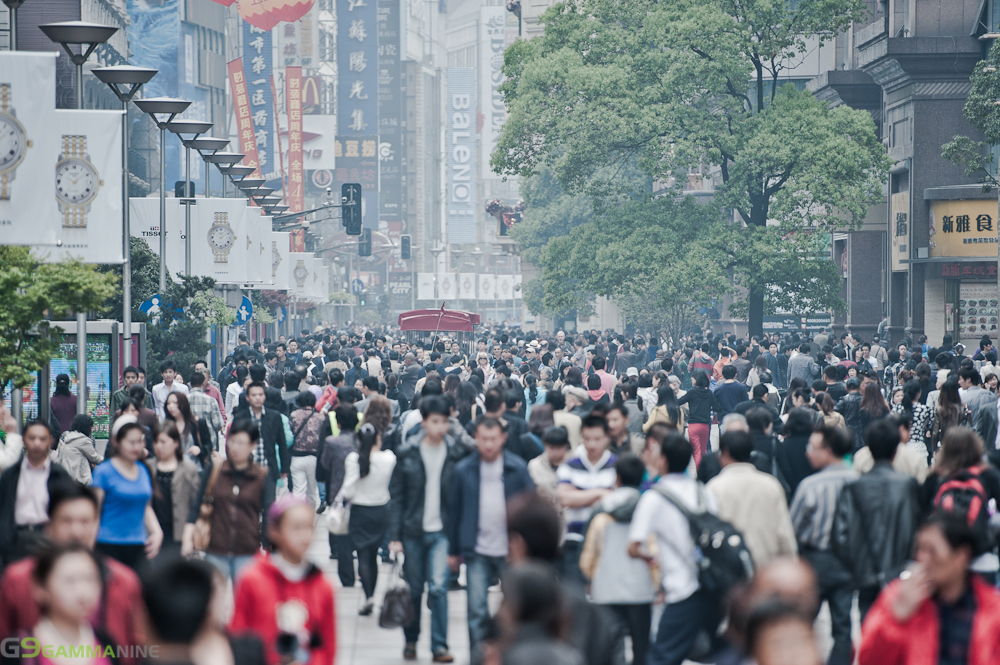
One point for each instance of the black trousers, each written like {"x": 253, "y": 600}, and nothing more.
{"x": 342, "y": 549}
{"x": 636, "y": 620}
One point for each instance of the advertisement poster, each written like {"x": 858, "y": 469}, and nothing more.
{"x": 98, "y": 381}
{"x": 244, "y": 119}
{"x": 257, "y": 70}
{"x": 963, "y": 228}
{"x": 977, "y": 310}
{"x": 279, "y": 259}
{"x": 87, "y": 187}
{"x": 221, "y": 239}
{"x": 899, "y": 229}
{"x": 460, "y": 144}
{"x": 29, "y": 147}
{"x": 492, "y": 38}
{"x": 296, "y": 171}
{"x": 144, "y": 222}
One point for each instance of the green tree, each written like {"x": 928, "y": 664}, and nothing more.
{"x": 30, "y": 292}
{"x": 145, "y": 269}
{"x": 981, "y": 111}
{"x": 693, "y": 86}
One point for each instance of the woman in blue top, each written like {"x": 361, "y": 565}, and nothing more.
{"x": 533, "y": 395}
{"x": 129, "y": 529}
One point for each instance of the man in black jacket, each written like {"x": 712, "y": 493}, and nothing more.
{"x": 24, "y": 492}
{"x": 271, "y": 450}
{"x": 849, "y": 406}
{"x": 877, "y": 517}
{"x": 419, "y": 519}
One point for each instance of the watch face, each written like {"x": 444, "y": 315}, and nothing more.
{"x": 221, "y": 238}
{"x": 301, "y": 273}
{"x": 275, "y": 260}
{"x": 76, "y": 182}
{"x": 12, "y": 142}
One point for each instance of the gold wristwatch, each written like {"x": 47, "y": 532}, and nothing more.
{"x": 300, "y": 273}
{"x": 13, "y": 141}
{"x": 77, "y": 182}
{"x": 221, "y": 237}
{"x": 275, "y": 258}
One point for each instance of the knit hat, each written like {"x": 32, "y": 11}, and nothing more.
{"x": 282, "y": 505}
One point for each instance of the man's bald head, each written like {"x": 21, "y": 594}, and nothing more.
{"x": 789, "y": 580}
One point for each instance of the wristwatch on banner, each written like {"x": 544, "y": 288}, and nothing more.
{"x": 300, "y": 273}
{"x": 13, "y": 141}
{"x": 77, "y": 182}
{"x": 275, "y": 258}
{"x": 221, "y": 237}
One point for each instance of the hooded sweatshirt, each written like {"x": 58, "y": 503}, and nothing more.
{"x": 299, "y": 611}
{"x": 615, "y": 577}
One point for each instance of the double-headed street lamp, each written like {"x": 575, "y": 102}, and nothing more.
{"x": 208, "y": 145}
{"x": 194, "y": 129}
{"x": 162, "y": 111}
{"x": 83, "y": 34}
{"x": 125, "y": 81}
{"x": 236, "y": 173}
{"x": 224, "y": 159}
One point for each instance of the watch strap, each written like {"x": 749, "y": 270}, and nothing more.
{"x": 75, "y": 147}
{"x": 5, "y": 99}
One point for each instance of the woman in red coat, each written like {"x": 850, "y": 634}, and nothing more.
{"x": 937, "y": 612}
{"x": 283, "y": 598}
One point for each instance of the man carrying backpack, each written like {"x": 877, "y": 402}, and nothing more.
{"x": 692, "y": 613}
{"x": 813, "y": 510}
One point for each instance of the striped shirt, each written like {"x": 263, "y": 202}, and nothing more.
{"x": 581, "y": 474}
{"x": 207, "y": 409}
{"x": 815, "y": 504}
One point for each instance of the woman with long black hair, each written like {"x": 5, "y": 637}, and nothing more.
{"x": 367, "y": 473}
{"x": 196, "y": 441}
{"x": 533, "y": 395}
{"x": 920, "y": 417}
{"x": 63, "y": 403}
{"x": 666, "y": 410}
{"x": 702, "y": 402}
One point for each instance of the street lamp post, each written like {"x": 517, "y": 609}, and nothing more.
{"x": 223, "y": 159}
{"x": 236, "y": 172}
{"x": 155, "y": 108}
{"x": 12, "y": 5}
{"x": 436, "y": 251}
{"x": 210, "y": 145}
{"x": 83, "y": 34}
{"x": 195, "y": 128}
{"x": 125, "y": 82}
{"x": 92, "y": 35}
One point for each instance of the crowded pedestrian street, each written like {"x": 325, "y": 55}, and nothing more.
{"x": 493, "y": 332}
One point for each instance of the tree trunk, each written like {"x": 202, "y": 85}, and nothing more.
{"x": 755, "y": 313}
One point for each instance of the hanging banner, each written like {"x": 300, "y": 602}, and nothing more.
{"x": 505, "y": 287}
{"x": 357, "y": 57}
{"x": 316, "y": 281}
{"x": 296, "y": 171}
{"x": 492, "y": 37}
{"x": 220, "y": 239}
{"x": 300, "y": 274}
{"x": 425, "y": 286}
{"x": 144, "y": 223}
{"x": 392, "y": 203}
{"x": 447, "y": 283}
{"x": 357, "y": 161}
{"x": 257, "y": 272}
{"x": 257, "y": 69}
{"x": 461, "y": 149}
{"x": 88, "y": 188}
{"x": 29, "y": 148}
{"x": 279, "y": 260}
{"x": 244, "y": 120}
{"x": 467, "y": 286}
{"x": 487, "y": 287}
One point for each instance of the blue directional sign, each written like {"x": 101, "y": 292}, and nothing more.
{"x": 151, "y": 306}
{"x": 357, "y": 286}
{"x": 282, "y": 314}
{"x": 244, "y": 312}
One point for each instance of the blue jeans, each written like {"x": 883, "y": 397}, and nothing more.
{"x": 480, "y": 572}
{"x": 426, "y": 561}
{"x": 229, "y": 565}
{"x": 682, "y": 624}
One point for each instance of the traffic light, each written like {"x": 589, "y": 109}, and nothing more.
{"x": 350, "y": 200}
{"x": 365, "y": 244}
{"x": 404, "y": 248}
{"x": 179, "y": 188}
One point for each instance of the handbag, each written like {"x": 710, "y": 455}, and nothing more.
{"x": 338, "y": 515}
{"x": 397, "y": 606}
{"x": 203, "y": 525}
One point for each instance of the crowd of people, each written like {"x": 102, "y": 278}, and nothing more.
{"x": 636, "y": 500}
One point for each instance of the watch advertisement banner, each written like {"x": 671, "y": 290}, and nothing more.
{"x": 221, "y": 238}
{"x": 505, "y": 287}
{"x": 258, "y": 231}
{"x": 467, "y": 286}
{"x": 461, "y": 150}
{"x": 244, "y": 119}
{"x": 296, "y": 171}
{"x": 88, "y": 187}
{"x": 300, "y": 274}
{"x": 487, "y": 287}
{"x": 963, "y": 228}
{"x": 425, "y": 286}
{"x": 316, "y": 281}
{"x": 392, "y": 203}
{"x": 144, "y": 222}
{"x": 492, "y": 38}
{"x": 977, "y": 310}
{"x": 29, "y": 148}
{"x": 447, "y": 286}
{"x": 257, "y": 69}
{"x": 357, "y": 55}
{"x": 279, "y": 259}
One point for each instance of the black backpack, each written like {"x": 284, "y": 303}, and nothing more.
{"x": 725, "y": 560}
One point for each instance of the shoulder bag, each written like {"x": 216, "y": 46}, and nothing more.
{"x": 203, "y": 525}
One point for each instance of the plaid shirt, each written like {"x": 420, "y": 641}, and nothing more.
{"x": 207, "y": 409}
{"x": 258, "y": 453}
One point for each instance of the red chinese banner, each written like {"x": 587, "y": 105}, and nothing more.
{"x": 296, "y": 172}
{"x": 244, "y": 123}
{"x": 297, "y": 240}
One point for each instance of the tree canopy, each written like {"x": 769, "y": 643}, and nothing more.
{"x": 694, "y": 86}
{"x": 981, "y": 111}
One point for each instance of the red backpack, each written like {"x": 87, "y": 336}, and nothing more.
{"x": 963, "y": 494}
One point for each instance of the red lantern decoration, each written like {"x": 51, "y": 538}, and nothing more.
{"x": 265, "y": 14}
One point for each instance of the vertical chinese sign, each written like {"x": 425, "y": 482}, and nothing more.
{"x": 390, "y": 107}
{"x": 241, "y": 106}
{"x": 357, "y": 101}
{"x": 492, "y": 39}
{"x": 257, "y": 69}
{"x": 296, "y": 173}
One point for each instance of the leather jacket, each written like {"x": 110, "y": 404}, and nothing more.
{"x": 877, "y": 518}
